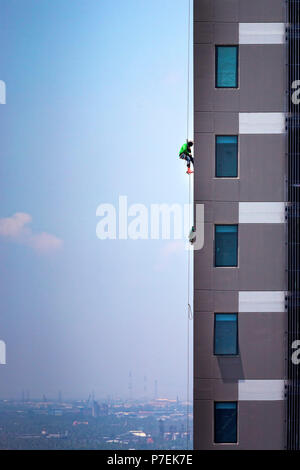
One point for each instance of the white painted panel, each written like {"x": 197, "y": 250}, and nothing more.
{"x": 262, "y": 33}
{"x": 262, "y": 123}
{"x": 270, "y": 390}
{"x": 261, "y": 212}
{"x": 262, "y": 301}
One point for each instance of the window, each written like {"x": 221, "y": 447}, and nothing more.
{"x": 226, "y": 66}
{"x": 226, "y": 334}
{"x": 225, "y": 422}
{"x": 226, "y": 156}
{"x": 226, "y": 245}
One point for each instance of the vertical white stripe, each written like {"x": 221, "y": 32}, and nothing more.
{"x": 2, "y": 92}
{"x": 2, "y": 353}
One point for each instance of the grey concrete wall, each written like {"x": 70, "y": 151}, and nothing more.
{"x": 262, "y": 93}
{"x": 259, "y": 423}
{"x": 261, "y": 349}
{"x": 234, "y": 11}
{"x": 262, "y": 253}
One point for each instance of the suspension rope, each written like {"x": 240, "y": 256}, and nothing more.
{"x": 188, "y": 73}
{"x": 189, "y": 308}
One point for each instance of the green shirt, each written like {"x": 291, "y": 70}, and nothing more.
{"x": 185, "y": 149}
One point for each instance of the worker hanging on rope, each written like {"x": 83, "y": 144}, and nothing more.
{"x": 186, "y": 154}
{"x": 192, "y": 235}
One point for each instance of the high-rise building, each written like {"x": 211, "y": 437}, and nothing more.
{"x": 247, "y": 175}
{"x": 95, "y": 409}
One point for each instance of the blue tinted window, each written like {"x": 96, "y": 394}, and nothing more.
{"x": 226, "y": 334}
{"x": 226, "y": 66}
{"x": 226, "y": 156}
{"x": 226, "y": 245}
{"x": 225, "y": 422}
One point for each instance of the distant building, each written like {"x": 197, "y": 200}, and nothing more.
{"x": 95, "y": 409}
{"x": 161, "y": 428}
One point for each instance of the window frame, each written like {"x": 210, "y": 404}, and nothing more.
{"x": 237, "y": 67}
{"x": 236, "y": 338}
{"x": 237, "y": 422}
{"x": 237, "y": 156}
{"x": 237, "y": 246}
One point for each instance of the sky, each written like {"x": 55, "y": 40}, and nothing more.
{"x": 95, "y": 109}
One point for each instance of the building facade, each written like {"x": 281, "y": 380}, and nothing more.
{"x": 245, "y": 388}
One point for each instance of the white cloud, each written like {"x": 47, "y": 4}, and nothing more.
{"x": 16, "y": 229}
{"x": 14, "y": 226}
{"x": 45, "y": 242}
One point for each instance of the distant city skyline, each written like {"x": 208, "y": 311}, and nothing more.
{"x": 140, "y": 424}
{"x": 27, "y": 395}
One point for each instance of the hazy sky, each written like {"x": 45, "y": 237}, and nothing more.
{"x": 96, "y": 108}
